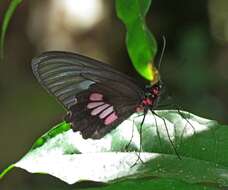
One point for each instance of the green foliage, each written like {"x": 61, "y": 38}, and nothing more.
{"x": 154, "y": 184}
{"x": 5, "y": 23}
{"x": 6, "y": 170}
{"x": 60, "y": 128}
{"x": 141, "y": 44}
{"x": 201, "y": 143}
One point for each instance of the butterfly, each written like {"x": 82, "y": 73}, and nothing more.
{"x": 97, "y": 97}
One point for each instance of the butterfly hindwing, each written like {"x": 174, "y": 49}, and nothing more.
{"x": 97, "y": 96}
{"x": 98, "y": 111}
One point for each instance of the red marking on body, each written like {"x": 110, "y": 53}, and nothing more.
{"x": 106, "y": 112}
{"x": 96, "y": 97}
{"x": 94, "y": 104}
{"x": 111, "y": 118}
{"x": 147, "y": 102}
{"x": 155, "y": 91}
{"x": 99, "y": 109}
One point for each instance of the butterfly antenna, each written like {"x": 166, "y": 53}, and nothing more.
{"x": 162, "y": 53}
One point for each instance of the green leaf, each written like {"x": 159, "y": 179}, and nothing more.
{"x": 201, "y": 143}
{"x": 154, "y": 184}
{"x": 60, "y": 128}
{"x": 7, "y": 17}
{"x": 141, "y": 44}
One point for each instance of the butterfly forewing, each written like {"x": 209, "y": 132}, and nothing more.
{"x": 78, "y": 81}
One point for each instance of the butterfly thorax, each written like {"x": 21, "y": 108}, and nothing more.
{"x": 150, "y": 98}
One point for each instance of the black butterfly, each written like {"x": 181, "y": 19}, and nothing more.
{"x": 98, "y": 98}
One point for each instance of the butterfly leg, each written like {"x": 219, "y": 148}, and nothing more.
{"x": 132, "y": 133}
{"x": 140, "y": 139}
{"x": 157, "y": 131}
{"x": 161, "y": 106}
{"x": 167, "y": 131}
{"x": 191, "y": 125}
{"x": 178, "y": 108}
{"x": 186, "y": 119}
{"x": 185, "y": 127}
{"x": 128, "y": 144}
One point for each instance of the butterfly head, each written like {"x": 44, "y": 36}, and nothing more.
{"x": 156, "y": 89}
{"x": 151, "y": 96}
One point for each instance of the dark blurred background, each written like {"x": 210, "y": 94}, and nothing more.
{"x": 194, "y": 67}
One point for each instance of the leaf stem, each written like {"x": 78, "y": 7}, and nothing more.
{"x": 5, "y": 171}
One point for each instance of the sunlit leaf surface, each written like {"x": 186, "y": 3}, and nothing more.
{"x": 201, "y": 144}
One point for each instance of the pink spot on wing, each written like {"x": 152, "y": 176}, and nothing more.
{"x": 94, "y": 104}
{"x": 111, "y": 118}
{"x": 99, "y": 109}
{"x": 106, "y": 112}
{"x": 96, "y": 97}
